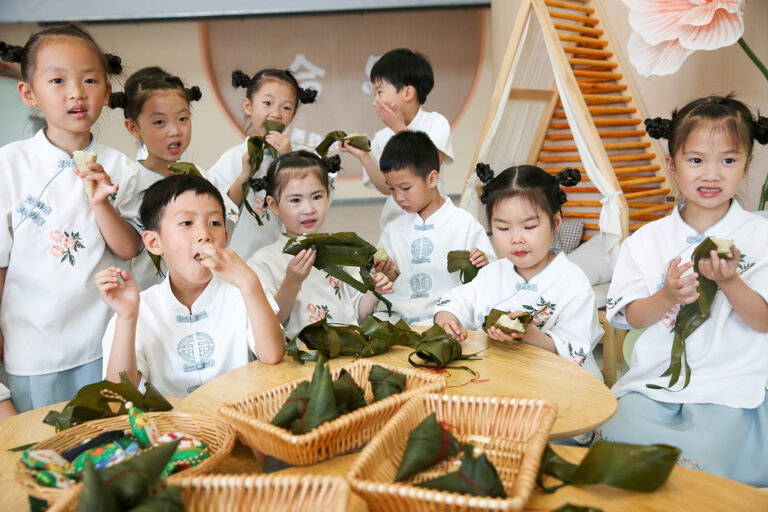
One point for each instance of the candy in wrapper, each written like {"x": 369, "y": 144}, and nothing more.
{"x": 104, "y": 456}
{"x": 49, "y": 460}
{"x": 144, "y": 429}
{"x": 55, "y": 479}
{"x": 190, "y": 452}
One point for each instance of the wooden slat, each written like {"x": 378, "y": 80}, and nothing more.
{"x": 609, "y": 146}
{"x": 601, "y": 75}
{"x": 647, "y": 193}
{"x": 579, "y": 29}
{"x": 598, "y": 64}
{"x": 590, "y": 87}
{"x": 574, "y": 17}
{"x": 619, "y": 170}
{"x": 594, "y": 190}
{"x": 531, "y": 94}
{"x": 569, "y": 5}
{"x": 613, "y": 158}
{"x": 598, "y": 204}
{"x": 605, "y": 134}
{"x": 580, "y": 50}
{"x": 603, "y": 111}
{"x": 642, "y": 181}
{"x": 602, "y": 99}
{"x": 652, "y": 209}
{"x": 600, "y": 43}
{"x": 624, "y": 121}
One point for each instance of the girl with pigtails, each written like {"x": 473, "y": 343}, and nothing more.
{"x": 270, "y": 95}
{"x": 156, "y": 106}
{"x": 523, "y": 208}
{"x": 713, "y": 407}
{"x": 57, "y": 231}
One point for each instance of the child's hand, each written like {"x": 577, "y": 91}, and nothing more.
{"x": 121, "y": 297}
{"x": 245, "y": 173}
{"x": 346, "y": 147}
{"x": 478, "y": 257}
{"x": 451, "y": 325}
{"x": 279, "y": 141}
{"x": 720, "y": 269}
{"x": 679, "y": 289}
{"x": 102, "y": 184}
{"x": 497, "y": 334}
{"x": 228, "y": 265}
{"x": 382, "y": 284}
{"x": 300, "y": 266}
{"x": 390, "y": 115}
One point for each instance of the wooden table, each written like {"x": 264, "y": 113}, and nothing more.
{"x": 518, "y": 370}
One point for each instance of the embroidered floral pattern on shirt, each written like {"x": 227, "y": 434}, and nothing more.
{"x": 442, "y": 302}
{"x": 542, "y": 312}
{"x": 688, "y": 463}
{"x": 669, "y": 318}
{"x": 317, "y": 312}
{"x": 335, "y": 284}
{"x": 611, "y": 303}
{"x": 744, "y": 265}
{"x": 65, "y": 245}
{"x": 577, "y": 356}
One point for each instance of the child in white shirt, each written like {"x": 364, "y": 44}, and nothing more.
{"x": 419, "y": 241}
{"x": 401, "y": 81}
{"x": 199, "y": 322}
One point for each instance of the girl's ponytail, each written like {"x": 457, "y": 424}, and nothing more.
{"x": 332, "y": 163}
{"x": 193, "y": 93}
{"x": 658, "y": 128}
{"x": 568, "y": 177}
{"x": 485, "y": 174}
{"x": 240, "y": 79}
{"x": 761, "y": 129}
{"x": 307, "y": 95}
{"x": 10, "y": 52}
{"x": 114, "y": 64}
{"x": 117, "y": 100}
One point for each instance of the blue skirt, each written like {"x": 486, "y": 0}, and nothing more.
{"x": 33, "y": 391}
{"x": 722, "y": 440}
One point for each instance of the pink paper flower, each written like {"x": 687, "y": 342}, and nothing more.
{"x": 666, "y": 32}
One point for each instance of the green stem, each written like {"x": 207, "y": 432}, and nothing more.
{"x": 764, "y": 71}
{"x": 763, "y": 195}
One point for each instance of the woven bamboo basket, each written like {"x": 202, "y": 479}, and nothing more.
{"x": 512, "y": 432}
{"x": 251, "y": 416}
{"x": 217, "y": 434}
{"x": 243, "y": 493}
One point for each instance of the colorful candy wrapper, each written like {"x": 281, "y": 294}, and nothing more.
{"x": 48, "y": 460}
{"x": 103, "y": 456}
{"x": 189, "y": 453}
{"x": 144, "y": 429}
{"x": 53, "y": 479}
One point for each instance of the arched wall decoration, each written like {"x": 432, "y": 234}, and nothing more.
{"x": 334, "y": 54}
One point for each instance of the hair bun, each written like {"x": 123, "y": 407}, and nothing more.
{"x": 114, "y": 64}
{"x": 562, "y": 197}
{"x": 10, "y": 52}
{"x": 761, "y": 129}
{"x": 117, "y": 100}
{"x": 484, "y": 172}
{"x": 332, "y": 163}
{"x": 240, "y": 79}
{"x": 568, "y": 177}
{"x": 307, "y": 95}
{"x": 194, "y": 93}
{"x": 257, "y": 184}
{"x": 658, "y": 128}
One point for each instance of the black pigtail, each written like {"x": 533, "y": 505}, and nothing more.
{"x": 114, "y": 64}
{"x": 117, "y": 100}
{"x": 332, "y": 163}
{"x": 240, "y": 79}
{"x": 257, "y": 184}
{"x": 193, "y": 93}
{"x": 307, "y": 95}
{"x": 568, "y": 177}
{"x": 658, "y": 128}
{"x": 761, "y": 129}
{"x": 10, "y": 52}
{"x": 485, "y": 174}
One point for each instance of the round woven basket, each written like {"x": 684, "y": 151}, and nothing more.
{"x": 217, "y": 434}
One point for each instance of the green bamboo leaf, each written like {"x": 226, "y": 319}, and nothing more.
{"x": 428, "y": 443}
{"x": 459, "y": 260}
{"x": 476, "y": 476}
{"x": 501, "y": 320}
{"x": 321, "y": 403}
{"x": 385, "y": 382}
{"x": 438, "y": 349}
{"x": 294, "y": 407}
{"x": 184, "y": 168}
{"x": 359, "y": 141}
{"x": 349, "y": 396}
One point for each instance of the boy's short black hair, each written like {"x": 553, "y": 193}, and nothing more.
{"x": 403, "y": 67}
{"x": 160, "y": 194}
{"x": 410, "y": 150}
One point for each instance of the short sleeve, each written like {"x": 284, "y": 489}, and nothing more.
{"x": 460, "y": 302}
{"x": 269, "y": 281}
{"x": 440, "y": 133}
{"x": 5, "y": 393}
{"x": 576, "y": 329}
{"x": 627, "y": 286}
{"x": 477, "y": 237}
{"x": 377, "y": 148}
{"x": 385, "y": 241}
{"x": 106, "y": 347}
{"x": 6, "y": 224}
{"x": 226, "y": 168}
{"x": 249, "y": 330}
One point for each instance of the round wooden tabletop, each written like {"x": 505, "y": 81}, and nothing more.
{"x": 516, "y": 370}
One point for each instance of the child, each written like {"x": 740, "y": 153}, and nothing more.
{"x": 271, "y": 94}
{"x": 419, "y": 241}
{"x": 156, "y": 106}
{"x": 720, "y": 420}
{"x": 298, "y": 193}
{"x": 401, "y": 82}
{"x": 522, "y": 205}
{"x": 198, "y": 323}
{"x": 55, "y": 235}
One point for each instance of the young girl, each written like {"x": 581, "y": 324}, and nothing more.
{"x": 271, "y": 94}
{"x": 720, "y": 420}
{"x": 523, "y": 209}
{"x": 297, "y": 191}
{"x": 55, "y": 236}
{"x": 157, "y": 112}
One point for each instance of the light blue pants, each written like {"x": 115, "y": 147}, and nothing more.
{"x": 33, "y": 391}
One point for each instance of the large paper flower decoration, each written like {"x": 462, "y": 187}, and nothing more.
{"x": 666, "y": 32}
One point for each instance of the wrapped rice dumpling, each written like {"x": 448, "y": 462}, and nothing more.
{"x": 459, "y": 260}
{"x": 358, "y": 141}
{"x": 502, "y": 320}
{"x": 293, "y": 408}
{"x": 382, "y": 335}
{"x": 476, "y": 476}
{"x": 321, "y": 402}
{"x": 691, "y": 316}
{"x": 82, "y": 159}
{"x": 437, "y": 349}
{"x": 349, "y": 396}
{"x": 329, "y": 341}
{"x": 380, "y": 255}
{"x": 429, "y": 443}
{"x": 385, "y": 382}
{"x": 185, "y": 168}
{"x": 256, "y": 147}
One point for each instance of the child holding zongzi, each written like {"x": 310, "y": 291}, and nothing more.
{"x": 270, "y": 95}
{"x": 297, "y": 189}
{"x": 419, "y": 241}
{"x": 199, "y": 322}
{"x": 720, "y": 418}
{"x": 523, "y": 207}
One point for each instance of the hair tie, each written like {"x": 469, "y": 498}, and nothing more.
{"x": 117, "y": 100}
{"x": 761, "y": 129}
{"x": 307, "y": 95}
{"x": 568, "y": 177}
{"x": 484, "y": 172}
{"x": 11, "y": 52}
{"x": 257, "y": 184}
{"x": 193, "y": 93}
{"x": 240, "y": 79}
{"x": 332, "y": 163}
{"x": 658, "y": 128}
{"x": 114, "y": 64}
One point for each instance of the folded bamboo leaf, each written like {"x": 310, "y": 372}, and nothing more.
{"x": 437, "y": 349}
{"x": 184, "y": 168}
{"x": 385, "y": 382}
{"x": 361, "y": 142}
{"x": 271, "y": 125}
{"x": 349, "y": 396}
{"x": 459, "y": 260}
{"x": 429, "y": 443}
{"x": 90, "y": 404}
{"x": 294, "y": 407}
{"x": 94, "y": 496}
{"x": 502, "y": 320}
{"x": 167, "y": 500}
{"x": 691, "y": 316}
{"x": 383, "y": 335}
{"x": 476, "y": 476}
{"x": 321, "y": 406}
{"x": 628, "y": 466}
{"x": 256, "y": 146}
{"x": 337, "y": 250}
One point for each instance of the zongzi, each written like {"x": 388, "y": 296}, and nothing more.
{"x": 504, "y": 321}
{"x": 476, "y": 476}
{"x": 428, "y": 443}
{"x": 385, "y": 382}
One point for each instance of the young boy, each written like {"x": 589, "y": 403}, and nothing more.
{"x": 401, "y": 82}
{"x": 418, "y": 242}
{"x": 198, "y": 323}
